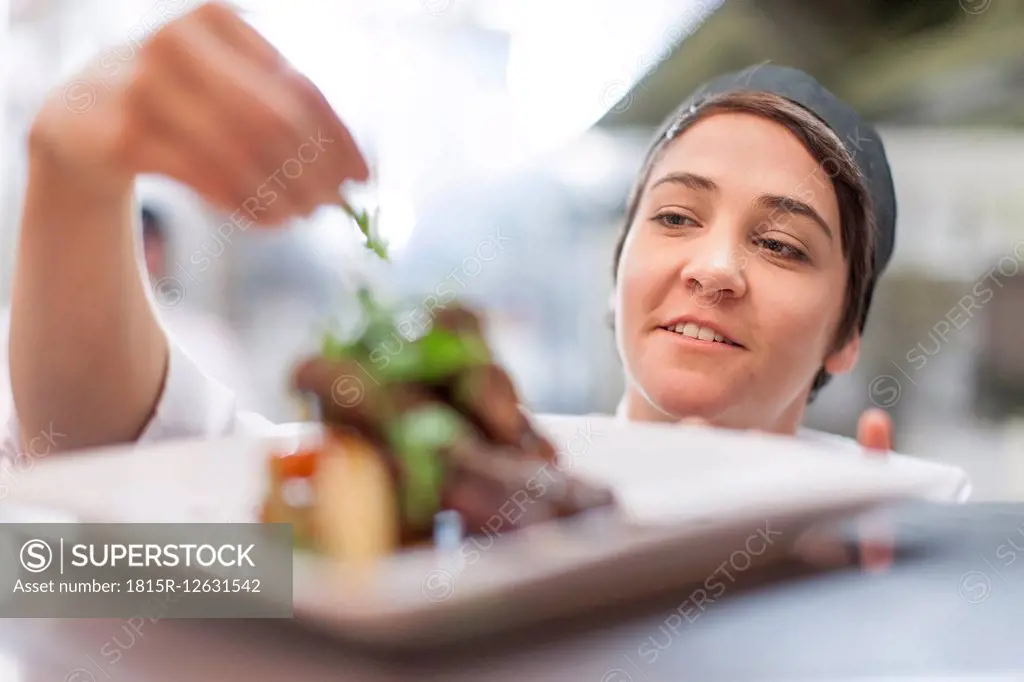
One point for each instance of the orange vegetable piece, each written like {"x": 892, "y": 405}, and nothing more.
{"x": 299, "y": 464}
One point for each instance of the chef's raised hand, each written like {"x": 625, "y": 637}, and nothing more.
{"x": 204, "y": 100}
{"x": 207, "y": 101}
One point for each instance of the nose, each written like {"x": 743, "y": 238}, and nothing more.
{"x": 714, "y": 269}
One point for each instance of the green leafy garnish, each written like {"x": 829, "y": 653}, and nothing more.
{"x": 436, "y": 355}
{"x": 405, "y": 365}
{"x": 431, "y": 358}
{"x": 417, "y": 438}
{"x": 433, "y": 426}
{"x": 334, "y": 348}
{"x": 368, "y": 226}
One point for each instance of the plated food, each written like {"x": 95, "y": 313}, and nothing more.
{"x": 420, "y": 436}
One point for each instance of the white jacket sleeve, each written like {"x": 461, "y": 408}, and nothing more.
{"x": 192, "y": 405}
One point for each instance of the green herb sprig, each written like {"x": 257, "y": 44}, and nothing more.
{"x": 368, "y": 226}
{"x": 418, "y": 438}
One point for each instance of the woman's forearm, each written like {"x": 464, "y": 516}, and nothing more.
{"x": 206, "y": 101}
{"x": 88, "y": 356}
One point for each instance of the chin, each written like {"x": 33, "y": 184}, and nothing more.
{"x": 687, "y": 393}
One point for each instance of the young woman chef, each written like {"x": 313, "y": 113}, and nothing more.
{"x": 758, "y": 227}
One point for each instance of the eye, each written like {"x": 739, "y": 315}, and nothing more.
{"x": 673, "y": 219}
{"x": 781, "y": 249}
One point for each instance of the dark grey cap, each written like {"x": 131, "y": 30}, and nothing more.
{"x": 858, "y": 136}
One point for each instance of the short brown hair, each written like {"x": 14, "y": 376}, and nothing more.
{"x": 856, "y": 212}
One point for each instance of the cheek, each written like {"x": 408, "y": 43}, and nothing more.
{"x": 628, "y": 315}
{"x": 642, "y": 279}
{"x": 796, "y": 321}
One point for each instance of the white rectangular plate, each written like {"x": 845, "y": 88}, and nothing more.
{"x": 692, "y": 498}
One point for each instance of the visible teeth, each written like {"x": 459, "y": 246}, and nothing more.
{"x": 697, "y": 332}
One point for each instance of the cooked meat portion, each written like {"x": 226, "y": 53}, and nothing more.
{"x": 446, "y": 425}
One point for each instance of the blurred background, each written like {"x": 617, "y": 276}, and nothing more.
{"x": 505, "y": 137}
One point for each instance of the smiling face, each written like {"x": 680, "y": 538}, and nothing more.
{"x": 732, "y": 280}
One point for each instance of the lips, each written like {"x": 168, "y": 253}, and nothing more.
{"x": 702, "y": 331}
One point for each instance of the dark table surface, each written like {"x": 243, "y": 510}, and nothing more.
{"x": 951, "y": 603}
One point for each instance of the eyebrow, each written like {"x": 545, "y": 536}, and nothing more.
{"x": 771, "y": 202}
{"x": 690, "y": 180}
{"x": 774, "y": 202}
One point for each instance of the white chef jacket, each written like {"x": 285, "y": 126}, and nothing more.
{"x": 193, "y": 405}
